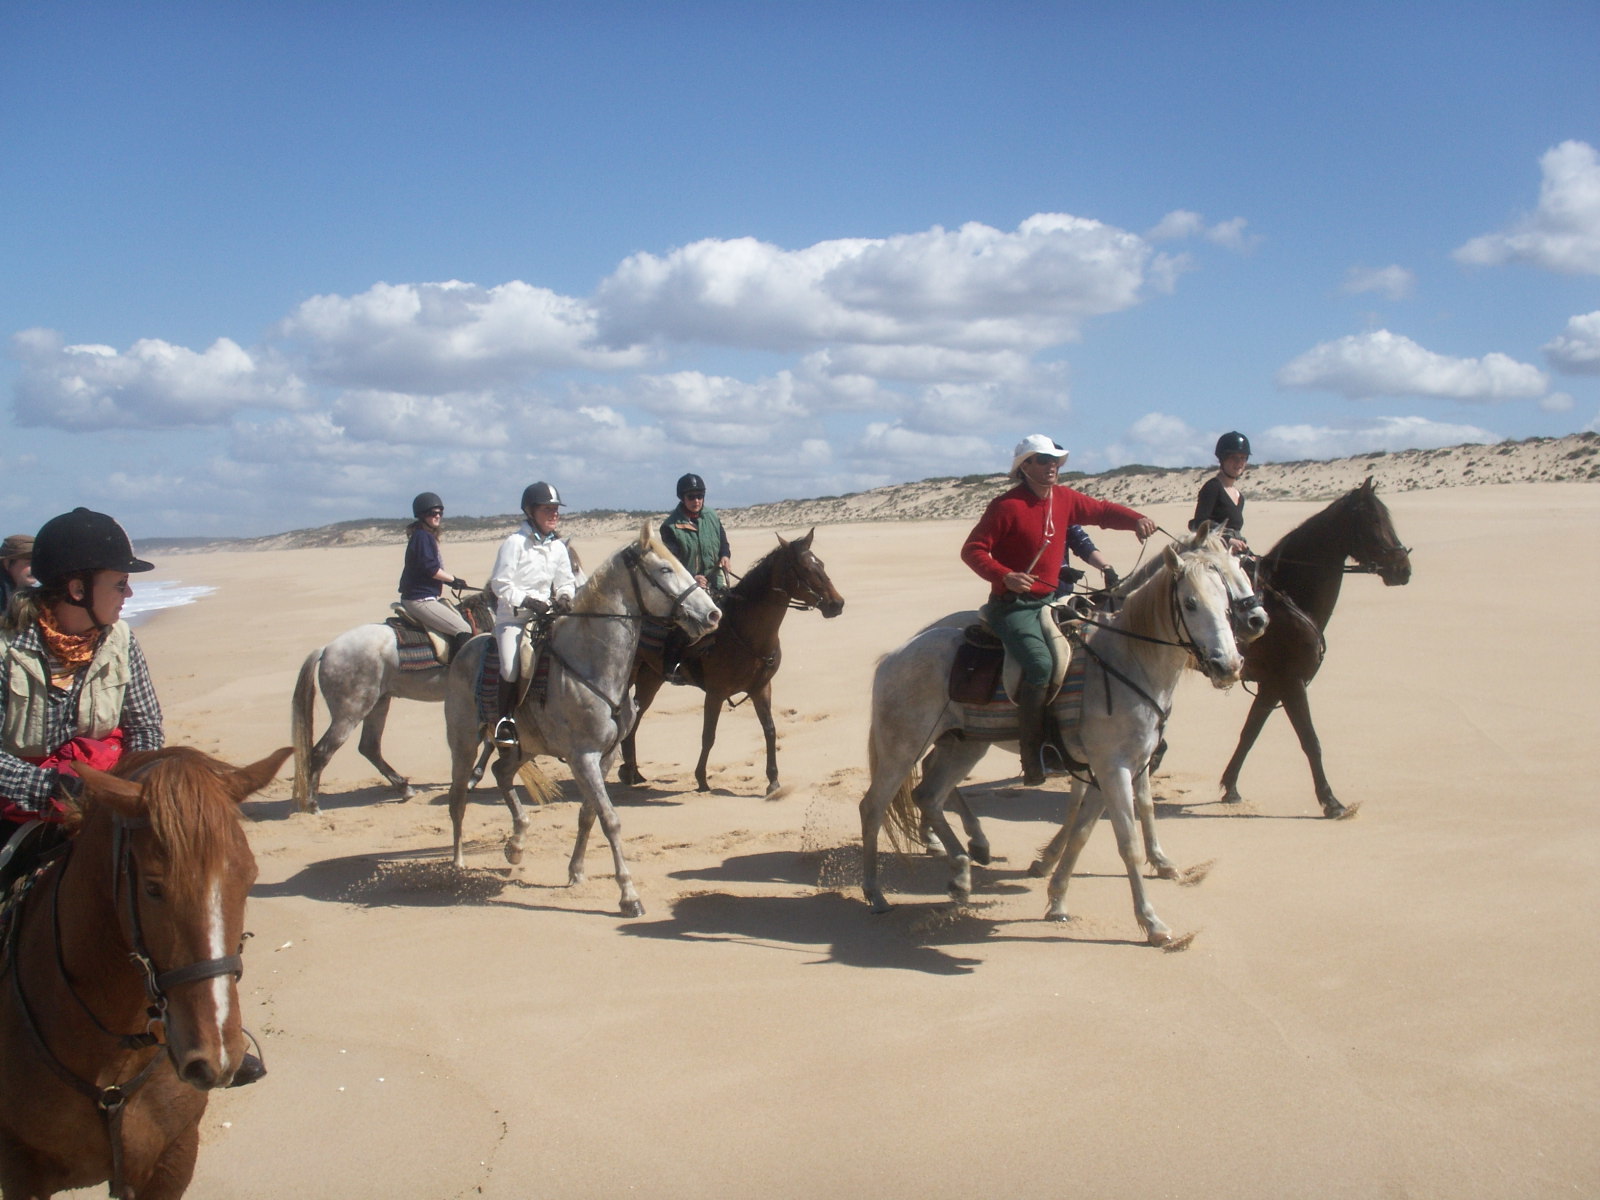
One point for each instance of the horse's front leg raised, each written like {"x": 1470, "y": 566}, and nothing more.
{"x": 505, "y": 777}
{"x": 591, "y": 783}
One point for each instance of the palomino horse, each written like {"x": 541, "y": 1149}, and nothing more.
{"x": 585, "y": 709}
{"x": 1181, "y": 607}
{"x": 360, "y": 673}
{"x": 1299, "y": 580}
{"x": 121, "y": 1010}
{"x": 743, "y": 655}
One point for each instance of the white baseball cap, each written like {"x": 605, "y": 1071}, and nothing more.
{"x": 1035, "y": 443}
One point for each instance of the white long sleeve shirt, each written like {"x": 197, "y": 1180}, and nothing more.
{"x": 530, "y": 564}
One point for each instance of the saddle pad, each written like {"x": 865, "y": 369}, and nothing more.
{"x": 489, "y": 684}
{"x": 413, "y": 647}
{"x": 975, "y": 673}
{"x": 996, "y": 720}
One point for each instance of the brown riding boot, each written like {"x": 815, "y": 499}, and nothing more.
{"x": 1030, "y": 731}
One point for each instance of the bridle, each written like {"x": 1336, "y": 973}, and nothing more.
{"x": 113, "y": 1098}
{"x": 634, "y": 561}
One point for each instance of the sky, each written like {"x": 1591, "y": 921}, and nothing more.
{"x": 275, "y": 265}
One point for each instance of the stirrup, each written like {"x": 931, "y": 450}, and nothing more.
{"x": 505, "y": 733}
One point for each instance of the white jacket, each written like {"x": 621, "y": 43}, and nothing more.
{"x": 528, "y": 567}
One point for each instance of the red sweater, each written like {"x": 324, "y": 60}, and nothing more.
{"x": 1012, "y": 529}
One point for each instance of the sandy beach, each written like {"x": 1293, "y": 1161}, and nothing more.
{"x": 1399, "y": 1005}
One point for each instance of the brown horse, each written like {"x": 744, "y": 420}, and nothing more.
{"x": 742, "y": 655}
{"x": 120, "y": 1006}
{"x": 1299, "y": 581}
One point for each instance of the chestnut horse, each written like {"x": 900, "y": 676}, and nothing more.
{"x": 743, "y": 655}
{"x": 120, "y": 1009}
{"x": 1299, "y": 581}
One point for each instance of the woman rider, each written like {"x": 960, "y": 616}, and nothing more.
{"x": 1017, "y": 546}
{"x": 532, "y": 574}
{"x": 1221, "y": 502}
{"x": 423, "y": 578}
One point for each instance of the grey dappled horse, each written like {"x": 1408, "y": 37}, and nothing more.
{"x": 587, "y": 708}
{"x": 1181, "y": 608}
{"x": 360, "y": 673}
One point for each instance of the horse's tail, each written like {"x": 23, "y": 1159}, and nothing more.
{"x": 902, "y": 819}
{"x": 541, "y": 788}
{"x": 300, "y": 710}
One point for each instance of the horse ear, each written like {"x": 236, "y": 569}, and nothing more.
{"x": 644, "y": 534}
{"x": 1201, "y": 534}
{"x": 1174, "y": 563}
{"x": 805, "y": 542}
{"x": 781, "y": 542}
{"x": 122, "y": 796}
{"x": 1367, "y": 486}
{"x": 246, "y": 781}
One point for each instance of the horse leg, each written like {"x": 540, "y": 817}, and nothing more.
{"x": 1154, "y": 854}
{"x": 586, "y": 773}
{"x": 646, "y": 683}
{"x": 1118, "y": 787}
{"x": 1298, "y": 707}
{"x": 947, "y": 765}
{"x": 580, "y": 845}
{"x": 1088, "y": 804}
{"x": 708, "y": 738}
{"x": 371, "y": 747}
{"x": 505, "y": 777}
{"x": 1266, "y": 700}
{"x": 977, "y": 841}
{"x": 762, "y": 700}
{"x": 1045, "y": 864}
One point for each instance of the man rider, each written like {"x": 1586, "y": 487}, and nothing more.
{"x": 1017, "y": 546}
{"x": 696, "y": 538}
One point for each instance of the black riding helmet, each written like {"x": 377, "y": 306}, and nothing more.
{"x": 424, "y": 503}
{"x": 1232, "y": 442}
{"x": 539, "y": 493}
{"x": 691, "y": 484}
{"x": 82, "y": 541}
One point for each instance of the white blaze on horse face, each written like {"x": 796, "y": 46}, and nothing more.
{"x": 221, "y": 985}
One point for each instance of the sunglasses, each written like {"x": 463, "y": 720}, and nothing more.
{"x": 1044, "y": 460}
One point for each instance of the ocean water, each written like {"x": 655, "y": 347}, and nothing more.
{"x": 156, "y": 595}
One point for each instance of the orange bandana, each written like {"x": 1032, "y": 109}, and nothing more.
{"x": 72, "y": 650}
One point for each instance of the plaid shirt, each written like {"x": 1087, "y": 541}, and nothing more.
{"x": 30, "y": 786}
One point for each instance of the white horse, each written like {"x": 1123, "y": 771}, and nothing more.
{"x": 1181, "y": 608}
{"x": 360, "y": 673}
{"x": 587, "y": 708}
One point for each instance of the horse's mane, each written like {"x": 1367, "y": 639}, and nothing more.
{"x": 1141, "y": 604}
{"x": 588, "y": 596}
{"x": 190, "y": 812}
{"x": 758, "y": 579}
{"x": 1314, "y": 529}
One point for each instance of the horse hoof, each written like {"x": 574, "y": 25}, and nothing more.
{"x": 632, "y": 908}
{"x": 1059, "y": 915}
{"x": 877, "y": 903}
{"x": 1159, "y": 937}
{"x": 1037, "y": 869}
{"x": 1339, "y": 812}
{"x": 1230, "y": 795}
{"x": 1167, "y": 872}
{"x": 980, "y": 853}
{"x": 958, "y": 895}
{"x": 513, "y": 855}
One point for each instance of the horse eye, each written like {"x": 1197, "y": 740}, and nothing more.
{"x": 1190, "y": 604}
{"x": 153, "y": 889}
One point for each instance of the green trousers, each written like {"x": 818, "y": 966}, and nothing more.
{"x": 1015, "y": 621}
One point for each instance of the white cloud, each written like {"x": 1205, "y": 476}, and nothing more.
{"x": 1563, "y": 233}
{"x": 972, "y": 289}
{"x": 1395, "y": 283}
{"x": 1557, "y": 402}
{"x": 1381, "y": 363}
{"x": 152, "y": 385}
{"x": 1157, "y": 439}
{"x": 1181, "y": 223}
{"x": 460, "y": 419}
{"x": 446, "y": 337}
{"x": 1288, "y": 443}
{"x": 1576, "y": 350}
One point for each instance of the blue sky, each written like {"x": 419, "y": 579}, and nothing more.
{"x": 273, "y": 265}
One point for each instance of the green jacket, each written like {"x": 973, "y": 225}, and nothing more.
{"x": 698, "y": 545}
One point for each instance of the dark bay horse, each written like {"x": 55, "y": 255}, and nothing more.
{"x": 1299, "y": 581}
{"x": 360, "y": 673}
{"x": 119, "y": 1009}
{"x": 743, "y": 655}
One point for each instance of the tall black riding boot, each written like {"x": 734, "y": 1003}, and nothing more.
{"x": 457, "y": 641}
{"x": 505, "y": 729}
{"x": 1030, "y": 730}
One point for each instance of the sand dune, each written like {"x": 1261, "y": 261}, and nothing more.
{"x": 1398, "y": 1005}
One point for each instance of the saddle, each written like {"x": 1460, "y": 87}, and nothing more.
{"x": 983, "y": 673}
{"x": 419, "y": 647}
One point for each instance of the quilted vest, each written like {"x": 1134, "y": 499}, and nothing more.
{"x": 28, "y": 694}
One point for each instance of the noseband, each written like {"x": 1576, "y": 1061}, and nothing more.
{"x": 634, "y": 561}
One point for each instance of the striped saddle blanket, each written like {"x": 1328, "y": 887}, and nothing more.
{"x": 996, "y": 719}
{"x": 413, "y": 646}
